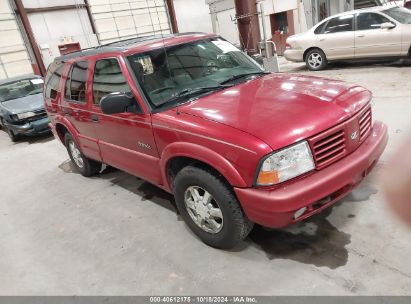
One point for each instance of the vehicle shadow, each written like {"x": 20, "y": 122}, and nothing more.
{"x": 402, "y": 63}
{"x": 315, "y": 241}
{"x": 43, "y": 138}
{"x": 341, "y": 65}
{"x": 143, "y": 189}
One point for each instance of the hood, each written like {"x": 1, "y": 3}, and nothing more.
{"x": 282, "y": 109}
{"x": 24, "y": 104}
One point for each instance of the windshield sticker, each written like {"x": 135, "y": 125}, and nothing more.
{"x": 225, "y": 46}
{"x": 37, "y": 81}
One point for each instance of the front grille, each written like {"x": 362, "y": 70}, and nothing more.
{"x": 365, "y": 124}
{"x": 39, "y": 115}
{"x": 339, "y": 141}
{"x": 329, "y": 148}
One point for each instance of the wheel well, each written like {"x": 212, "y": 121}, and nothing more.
{"x": 61, "y": 131}
{"x": 307, "y": 50}
{"x": 176, "y": 164}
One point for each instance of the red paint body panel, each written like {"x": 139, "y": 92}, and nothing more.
{"x": 231, "y": 130}
{"x": 275, "y": 208}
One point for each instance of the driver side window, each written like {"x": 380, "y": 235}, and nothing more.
{"x": 75, "y": 89}
{"x": 108, "y": 78}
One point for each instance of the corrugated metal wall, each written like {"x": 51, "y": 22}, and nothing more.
{"x": 122, "y": 19}
{"x": 14, "y": 58}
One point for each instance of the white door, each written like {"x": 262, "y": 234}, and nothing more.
{"x": 373, "y": 41}
{"x": 337, "y": 38}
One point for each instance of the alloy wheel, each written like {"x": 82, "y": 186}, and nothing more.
{"x": 76, "y": 154}
{"x": 315, "y": 60}
{"x": 203, "y": 209}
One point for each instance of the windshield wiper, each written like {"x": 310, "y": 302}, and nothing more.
{"x": 239, "y": 76}
{"x": 191, "y": 92}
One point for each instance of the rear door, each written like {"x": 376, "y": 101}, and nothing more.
{"x": 337, "y": 38}
{"x": 75, "y": 104}
{"x": 126, "y": 140}
{"x": 373, "y": 41}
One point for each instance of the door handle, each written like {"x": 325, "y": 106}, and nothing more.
{"x": 361, "y": 36}
{"x": 94, "y": 118}
{"x": 322, "y": 39}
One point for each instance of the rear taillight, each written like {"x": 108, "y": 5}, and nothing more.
{"x": 287, "y": 46}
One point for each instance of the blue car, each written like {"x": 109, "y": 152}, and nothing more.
{"x": 22, "y": 107}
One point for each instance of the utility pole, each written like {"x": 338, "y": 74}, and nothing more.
{"x": 248, "y": 25}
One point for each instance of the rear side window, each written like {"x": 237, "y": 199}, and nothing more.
{"x": 339, "y": 24}
{"x": 52, "y": 80}
{"x": 320, "y": 28}
{"x": 370, "y": 21}
{"x": 107, "y": 79}
{"x": 76, "y": 82}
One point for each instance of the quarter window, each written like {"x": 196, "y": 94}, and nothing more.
{"x": 108, "y": 78}
{"x": 53, "y": 80}
{"x": 76, "y": 82}
{"x": 339, "y": 24}
{"x": 320, "y": 28}
{"x": 370, "y": 21}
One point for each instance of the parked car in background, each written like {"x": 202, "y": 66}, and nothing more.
{"x": 195, "y": 116}
{"x": 378, "y": 32}
{"x": 22, "y": 106}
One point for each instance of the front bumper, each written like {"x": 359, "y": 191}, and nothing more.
{"x": 294, "y": 55}
{"x": 32, "y": 128}
{"x": 276, "y": 208}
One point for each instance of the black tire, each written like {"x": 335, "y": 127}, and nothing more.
{"x": 90, "y": 167}
{"x": 13, "y": 137}
{"x": 235, "y": 225}
{"x": 316, "y": 60}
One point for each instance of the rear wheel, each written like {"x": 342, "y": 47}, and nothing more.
{"x": 210, "y": 208}
{"x": 87, "y": 167}
{"x": 316, "y": 60}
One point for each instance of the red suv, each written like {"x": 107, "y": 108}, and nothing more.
{"x": 193, "y": 115}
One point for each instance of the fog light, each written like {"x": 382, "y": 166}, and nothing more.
{"x": 299, "y": 212}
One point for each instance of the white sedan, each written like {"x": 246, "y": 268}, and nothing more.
{"x": 377, "y": 32}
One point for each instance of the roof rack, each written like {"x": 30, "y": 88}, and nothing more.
{"x": 117, "y": 45}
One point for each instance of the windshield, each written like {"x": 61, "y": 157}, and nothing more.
{"x": 20, "y": 88}
{"x": 170, "y": 75}
{"x": 400, "y": 14}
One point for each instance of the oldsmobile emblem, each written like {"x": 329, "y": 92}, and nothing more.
{"x": 354, "y": 135}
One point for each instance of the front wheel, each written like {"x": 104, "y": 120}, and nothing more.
{"x": 316, "y": 60}
{"x": 87, "y": 167}
{"x": 210, "y": 208}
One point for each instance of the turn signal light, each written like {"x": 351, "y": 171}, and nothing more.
{"x": 268, "y": 178}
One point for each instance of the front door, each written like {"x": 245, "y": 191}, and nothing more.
{"x": 126, "y": 140}
{"x": 337, "y": 38}
{"x": 373, "y": 41}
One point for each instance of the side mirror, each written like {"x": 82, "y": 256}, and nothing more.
{"x": 115, "y": 103}
{"x": 387, "y": 25}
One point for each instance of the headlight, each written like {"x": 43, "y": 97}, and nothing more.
{"x": 285, "y": 164}
{"x": 25, "y": 115}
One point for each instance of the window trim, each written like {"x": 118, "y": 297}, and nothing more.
{"x": 70, "y": 71}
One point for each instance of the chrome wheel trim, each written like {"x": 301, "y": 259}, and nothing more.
{"x": 203, "y": 209}
{"x": 315, "y": 60}
{"x": 76, "y": 154}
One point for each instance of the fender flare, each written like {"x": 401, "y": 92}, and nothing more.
{"x": 203, "y": 154}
